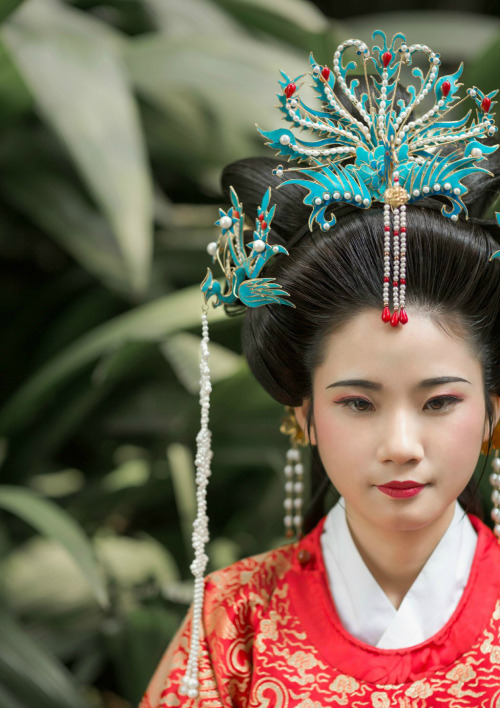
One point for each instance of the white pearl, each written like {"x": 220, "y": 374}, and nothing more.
{"x": 276, "y": 249}
{"x": 456, "y": 190}
{"x": 416, "y": 192}
{"x": 347, "y": 196}
{"x": 293, "y": 454}
{"x": 297, "y": 520}
{"x": 476, "y": 153}
{"x": 426, "y": 190}
{"x": 318, "y": 201}
{"x": 226, "y": 222}
{"x": 288, "y": 504}
{"x": 366, "y": 202}
{"x": 447, "y": 186}
{"x": 285, "y": 139}
{"x": 496, "y": 464}
{"x": 437, "y": 187}
{"x": 454, "y": 217}
{"x": 326, "y": 197}
{"x": 258, "y": 245}
{"x": 495, "y": 515}
{"x": 212, "y": 248}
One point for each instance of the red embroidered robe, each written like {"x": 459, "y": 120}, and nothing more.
{"x": 272, "y": 638}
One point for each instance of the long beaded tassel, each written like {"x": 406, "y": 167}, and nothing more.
{"x": 398, "y": 232}
{"x": 495, "y": 495}
{"x": 190, "y": 681}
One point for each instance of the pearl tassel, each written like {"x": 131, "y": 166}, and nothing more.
{"x": 190, "y": 681}
{"x": 495, "y": 495}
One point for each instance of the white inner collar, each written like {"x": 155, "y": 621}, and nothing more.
{"x": 364, "y": 609}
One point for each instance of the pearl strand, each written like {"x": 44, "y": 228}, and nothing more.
{"x": 495, "y": 495}
{"x": 294, "y": 488}
{"x": 190, "y": 681}
{"x": 386, "y": 315}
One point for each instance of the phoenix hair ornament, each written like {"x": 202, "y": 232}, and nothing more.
{"x": 386, "y": 155}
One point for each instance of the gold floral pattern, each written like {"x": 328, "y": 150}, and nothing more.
{"x": 256, "y": 654}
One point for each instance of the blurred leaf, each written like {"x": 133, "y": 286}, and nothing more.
{"x": 15, "y": 98}
{"x": 194, "y": 81}
{"x": 137, "y": 645}
{"x": 182, "y": 352}
{"x": 131, "y": 561}
{"x": 294, "y": 22}
{"x": 455, "y": 35}
{"x": 151, "y": 322}
{"x": 37, "y": 184}
{"x": 179, "y": 18}
{"x": 482, "y": 71}
{"x": 8, "y": 6}
{"x": 29, "y": 676}
{"x": 50, "y": 520}
{"x": 183, "y": 475}
{"x": 71, "y": 64}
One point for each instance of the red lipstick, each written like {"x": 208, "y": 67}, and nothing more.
{"x": 401, "y": 490}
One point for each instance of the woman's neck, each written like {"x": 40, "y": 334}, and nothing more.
{"x": 395, "y": 558}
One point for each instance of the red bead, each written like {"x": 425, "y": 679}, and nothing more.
{"x": 403, "y": 281}
{"x": 445, "y": 88}
{"x": 403, "y": 229}
{"x": 395, "y": 283}
{"x": 236, "y": 214}
{"x": 386, "y": 314}
{"x": 386, "y": 58}
{"x": 325, "y": 73}
{"x": 396, "y": 232}
{"x": 403, "y": 317}
{"x": 387, "y": 228}
{"x": 395, "y": 319}
{"x": 485, "y": 104}
{"x": 261, "y": 217}
{"x": 263, "y": 224}
{"x": 290, "y": 90}
{"x": 386, "y": 279}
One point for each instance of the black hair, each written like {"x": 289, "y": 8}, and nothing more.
{"x": 333, "y": 276}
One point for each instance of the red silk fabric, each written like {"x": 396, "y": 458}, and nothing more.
{"x": 272, "y": 638}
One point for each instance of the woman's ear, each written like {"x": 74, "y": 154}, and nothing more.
{"x": 495, "y": 405}
{"x": 302, "y": 413}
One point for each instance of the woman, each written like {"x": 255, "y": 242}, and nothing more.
{"x": 394, "y": 597}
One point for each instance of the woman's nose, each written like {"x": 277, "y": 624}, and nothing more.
{"x": 400, "y": 440}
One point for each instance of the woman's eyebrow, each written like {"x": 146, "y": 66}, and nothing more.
{"x": 374, "y": 386}
{"x": 429, "y": 383}
{"x": 360, "y": 383}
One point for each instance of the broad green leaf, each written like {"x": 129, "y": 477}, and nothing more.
{"x": 151, "y": 322}
{"x": 29, "y": 676}
{"x": 177, "y": 18}
{"x": 72, "y": 66}
{"x": 50, "y": 520}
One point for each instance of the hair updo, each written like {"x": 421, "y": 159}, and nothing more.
{"x": 332, "y": 276}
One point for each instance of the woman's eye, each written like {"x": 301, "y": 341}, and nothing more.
{"x": 360, "y": 405}
{"x": 442, "y": 403}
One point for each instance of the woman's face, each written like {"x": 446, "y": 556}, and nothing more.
{"x": 398, "y": 405}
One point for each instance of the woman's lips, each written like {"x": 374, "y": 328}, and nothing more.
{"x": 401, "y": 490}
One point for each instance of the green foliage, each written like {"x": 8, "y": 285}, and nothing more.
{"x": 116, "y": 120}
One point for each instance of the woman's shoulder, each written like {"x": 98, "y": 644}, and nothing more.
{"x": 257, "y": 575}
